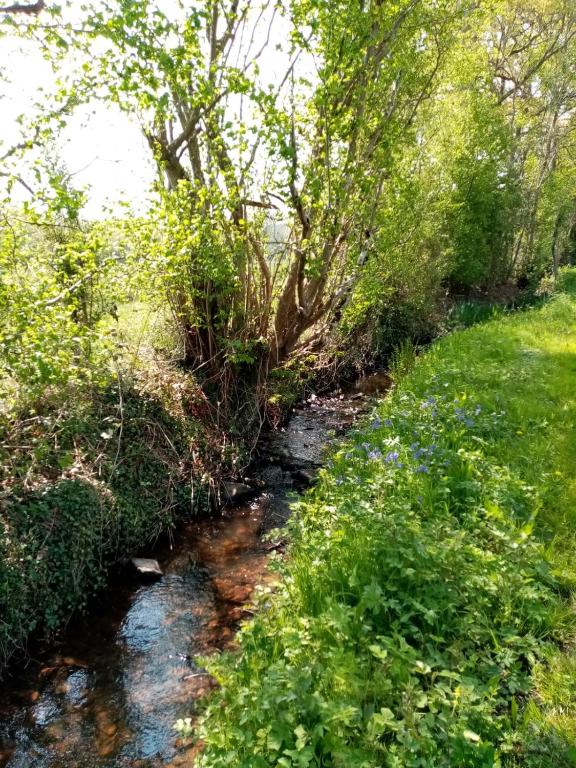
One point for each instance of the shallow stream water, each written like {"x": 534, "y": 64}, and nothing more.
{"x": 108, "y": 692}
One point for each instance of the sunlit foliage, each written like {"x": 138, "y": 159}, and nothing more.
{"x": 421, "y": 601}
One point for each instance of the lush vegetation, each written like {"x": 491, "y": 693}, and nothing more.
{"x": 88, "y": 482}
{"x": 423, "y": 616}
{"x": 326, "y": 171}
{"x": 99, "y": 451}
{"x": 332, "y": 178}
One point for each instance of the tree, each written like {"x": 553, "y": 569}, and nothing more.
{"x": 295, "y": 141}
{"x": 311, "y": 154}
{"x": 31, "y": 9}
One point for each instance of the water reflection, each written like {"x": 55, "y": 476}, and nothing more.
{"x": 112, "y": 694}
{"x": 108, "y": 697}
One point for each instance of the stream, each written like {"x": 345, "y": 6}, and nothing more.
{"x": 107, "y": 693}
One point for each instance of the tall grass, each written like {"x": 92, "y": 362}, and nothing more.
{"x": 424, "y": 615}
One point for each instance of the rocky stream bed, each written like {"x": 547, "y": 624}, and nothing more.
{"x": 107, "y": 693}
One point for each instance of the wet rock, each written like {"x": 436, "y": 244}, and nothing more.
{"x": 74, "y": 661}
{"x": 62, "y": 687}
{"x": 47, "y": 671}
{"x": 304, "y": 478}
{"x": 27, "y": 696}
{"x": 276, "y": 546}
{"x": 146, "y": 566}
{"x": 236, "y": 492}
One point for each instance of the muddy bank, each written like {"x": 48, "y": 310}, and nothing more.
{"x": 108, "y": 693}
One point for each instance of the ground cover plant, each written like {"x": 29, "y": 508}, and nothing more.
{"x": 86, "y": 479}
{"x": 424, "y": 615}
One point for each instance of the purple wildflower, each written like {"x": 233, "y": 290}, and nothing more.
{"x": 376, "y": 424}
{"x": 423, "y": 469}
{"x": 375, "y": 454}
{"x": 392, "y": 456}
{"x": 387, "y": 422}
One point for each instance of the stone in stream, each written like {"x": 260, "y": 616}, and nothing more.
{"x": 236, "y": 492}
{"x": 304, "y": 478}
{"x": 146, "y": 566}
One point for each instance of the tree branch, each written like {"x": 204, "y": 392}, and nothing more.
{"x": 30, "y": 10}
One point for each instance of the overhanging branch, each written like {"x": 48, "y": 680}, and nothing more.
{"x": 31, "y": 10}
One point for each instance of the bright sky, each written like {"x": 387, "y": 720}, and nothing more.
{"x": 101, "y": 147}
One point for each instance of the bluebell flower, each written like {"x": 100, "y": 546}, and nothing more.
{"x": 376, "y": 424}
{"x": 423, "y": 469}
{"x": 392, "y": 456}
{"x": 376, "y": 453}
{"x": 387, "y": 422}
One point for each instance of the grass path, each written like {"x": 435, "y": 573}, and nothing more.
{"x": 425, "y": 616}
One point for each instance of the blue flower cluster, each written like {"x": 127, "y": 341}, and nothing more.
{"x": 393, "y": 457}
{"x": 422, "y": 458}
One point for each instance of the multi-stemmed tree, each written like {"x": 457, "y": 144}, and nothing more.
{"x": 308, "y": 151}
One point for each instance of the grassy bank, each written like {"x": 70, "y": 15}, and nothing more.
{"x": 91, "y": 473}
{"x": 425, "y": 617}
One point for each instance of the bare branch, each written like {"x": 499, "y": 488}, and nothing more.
{"x": 30, "y": 10}
{"x": 19, "y": 179}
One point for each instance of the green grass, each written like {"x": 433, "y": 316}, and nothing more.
{"x": 425, "y": 616}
